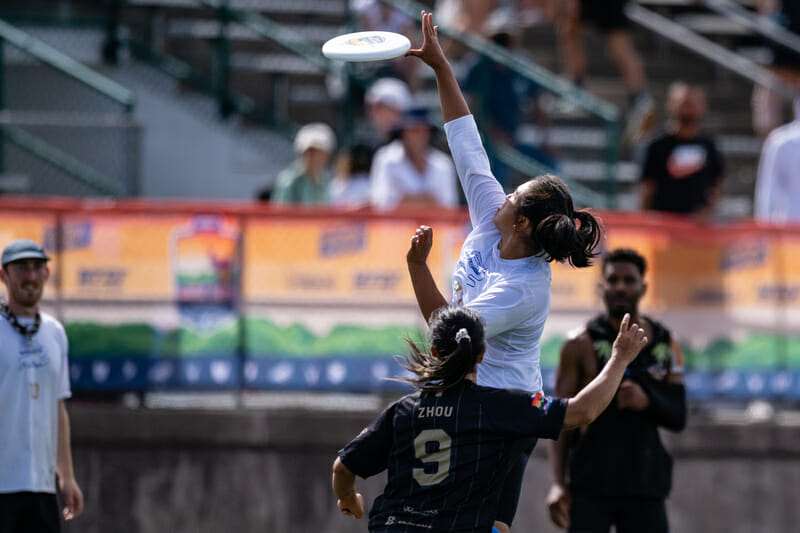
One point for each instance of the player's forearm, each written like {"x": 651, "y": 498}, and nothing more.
{"x": 450, "y": 97}
{"x": 429, "y": 298}
{"x": 64, "y": 455}
{"x": 344, "y": 481}
{"x": 595, "y": 397}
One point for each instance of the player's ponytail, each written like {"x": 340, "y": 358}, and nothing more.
{"x": 457, "y": 339}
{"x": 559, "y": 230}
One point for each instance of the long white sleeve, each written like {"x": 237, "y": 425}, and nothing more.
{"x": 483, "y": 192}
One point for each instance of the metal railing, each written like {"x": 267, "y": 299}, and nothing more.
{"x": 17, "y": 130}
{"x": 708, "y": 49}
{"x": 68, "y": 66}
{"x": 553, "y": 83}
{"x": 760, "y": 24}
{"x": 263, "y": 26}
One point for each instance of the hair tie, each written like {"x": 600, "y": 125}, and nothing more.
{"x": 463, "y": 334}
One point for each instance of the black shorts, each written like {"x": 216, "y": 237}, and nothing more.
{"x": 590, "y": 514}
{"x": 607, "y": 15}
{"x": 509, "y": 497}
{"x": 29, "y": 512}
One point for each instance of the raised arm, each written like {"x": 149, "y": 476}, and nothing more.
{"x": 484, "y": 194}
{"x": 452, "y": 101}
{"x": 429, "y": 297}
{"x": 595, "y": 397}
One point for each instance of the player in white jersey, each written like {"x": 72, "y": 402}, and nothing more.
{"x": 503, "y": 271}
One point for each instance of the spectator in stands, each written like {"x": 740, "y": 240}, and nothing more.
{"x": 409, "y": 171}
{"x": 777, "y": 196}
{"x": 386, "y": 100}
{"x": 682, "y": 171}
{"x": 306, "y": 181}
{"x": 609, "y": 17}
{"x": 767, "y": 104}
{"x": 501, "y": 99}
{"x": 619, "y": 472}
{"x": 351, "y": 186}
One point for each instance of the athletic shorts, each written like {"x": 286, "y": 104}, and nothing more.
{"x": 590, "y": 514}
{"x": 607, "y": 15}
{"x": 29, "y": 512}
{"x": 509, "y": 497}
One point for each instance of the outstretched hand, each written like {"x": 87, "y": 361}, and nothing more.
{"x": 421, "y": 243}
{"x": 630, "y": 340}
{"x": 431, "y": 51}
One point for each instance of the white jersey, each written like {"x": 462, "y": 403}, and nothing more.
{"x": 512, "y": 295}
{"x": 393, "y": 176}
{"x": 34, "y": 376}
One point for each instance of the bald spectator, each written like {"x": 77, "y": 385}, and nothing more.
{"x": 683, "y": 169}
{"x": 307, "y": 180}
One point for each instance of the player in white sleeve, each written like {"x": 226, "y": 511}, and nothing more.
{"x": 503, "y": 271}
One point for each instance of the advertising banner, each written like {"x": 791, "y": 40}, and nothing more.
{"x": 190, "y": 298}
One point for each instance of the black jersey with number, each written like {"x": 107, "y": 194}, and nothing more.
{"x": 448, "y": 454}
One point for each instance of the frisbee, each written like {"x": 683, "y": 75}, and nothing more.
{"x": 366, "y": 46}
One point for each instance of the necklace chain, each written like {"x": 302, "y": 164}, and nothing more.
{"x": 27, "y": 332}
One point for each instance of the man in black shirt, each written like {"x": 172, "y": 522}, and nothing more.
{"x": 619, "y": 473}
{"x": 682, "y": 170}
{"x": 449, "y": 446}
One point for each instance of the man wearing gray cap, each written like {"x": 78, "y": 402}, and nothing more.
{"x": 34, "y": 425}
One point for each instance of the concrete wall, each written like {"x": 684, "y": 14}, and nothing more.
{"x": 175, "y": 471}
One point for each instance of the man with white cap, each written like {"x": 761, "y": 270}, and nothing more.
{"x": 386, "y": 101}
{"x": 306, "y": 180}
{"x": 778, "y": 182}
{"x": 34, "y": 382}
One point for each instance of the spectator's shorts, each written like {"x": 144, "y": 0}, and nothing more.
{"x": 607, "y": 15}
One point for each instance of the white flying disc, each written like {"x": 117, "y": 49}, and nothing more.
{"x": 366, "y": 46}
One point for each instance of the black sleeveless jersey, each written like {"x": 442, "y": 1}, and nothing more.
{"x": 620, "y": 454}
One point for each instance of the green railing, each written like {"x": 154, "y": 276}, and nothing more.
{"x": 230, "y": 101}
{"x": 30, "y": 143}
{"x": 604, "y": 111}
{"x": 68, "y": 66}
{"x": 81, "y": 172}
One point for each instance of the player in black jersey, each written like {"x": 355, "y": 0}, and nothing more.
{"x": 619, "y": 473}
{"x": 449, "y": 446}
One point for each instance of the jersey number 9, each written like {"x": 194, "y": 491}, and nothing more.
{"x": 441, "y": 456}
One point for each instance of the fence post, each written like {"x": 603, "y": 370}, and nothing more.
{"x": 223, "y": 59}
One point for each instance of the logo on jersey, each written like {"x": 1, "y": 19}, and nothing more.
{"x": 32, "y": 355}
{"x": 472, "y": 266}
{"x": 541, "y": 402}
